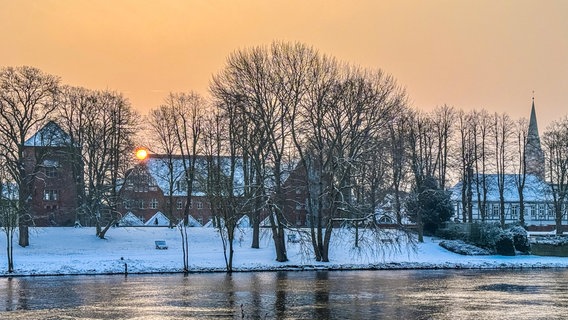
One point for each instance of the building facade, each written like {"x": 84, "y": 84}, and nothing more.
{"x": 537, "y": 194}
{"x": 56, "y": 177}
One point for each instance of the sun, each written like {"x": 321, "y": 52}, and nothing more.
{"x": 141, "y": 153}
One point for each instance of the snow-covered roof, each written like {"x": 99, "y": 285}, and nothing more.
{"x": 158, "y": 219}
{"x": 51, "y": 135}
{"x": 130, "y": 220}
{"x": 158, "y": 168}
{"x": 535, "y": 190}
{"x": 193, "y": 222}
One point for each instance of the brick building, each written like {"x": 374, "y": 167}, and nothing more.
{"x": 151, "y": 186}
{"x": 55, "y": 177}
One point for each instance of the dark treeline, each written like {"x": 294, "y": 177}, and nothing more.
{"x": 349, "y": 131}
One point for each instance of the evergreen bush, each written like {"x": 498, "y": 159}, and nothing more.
{"x": 520, "y": 239}
{"x": 504, "y": 244}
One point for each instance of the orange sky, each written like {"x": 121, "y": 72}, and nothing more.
{"x": 469, "y": 54}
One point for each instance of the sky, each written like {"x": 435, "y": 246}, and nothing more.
{"x": 463, "y": 53}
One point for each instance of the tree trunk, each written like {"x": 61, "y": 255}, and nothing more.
{"x": 24, "y": 236}
{"x": 558, "y": 219}
{"x": 522, "y": 209}
{"x": 10, "y": 249}
{"x": 327, "y": 239}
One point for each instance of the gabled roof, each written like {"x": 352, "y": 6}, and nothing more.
{"x": 130, "y": 220}
{"x": 158, "y": 219}
{"x": 158, "y": 168}
{"x": 51, "y": 135}
{"x": 535, "y": 190}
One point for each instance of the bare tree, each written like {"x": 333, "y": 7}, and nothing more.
{"x": 444, "y": 118}
{"x": 501, "y": 133}
{"x": 466, "y": 149}
{"x": 8, "y": 213}
{"x": 266, "y": 84}
{"x": 225, "y": 190}
{"x": 399, "y": 157}
{"x": 481, "y": 126}
{"x": 424, "y": 158}
{"x": 185, "y": 111}
{"x": 103, "y": 124}
{"x": 340, "y": 121}
{"x": 27, "y": 99}
{"x": 556, "y": 152}
{"x": 162, "y": 122}
{"x": 521, "y": 134}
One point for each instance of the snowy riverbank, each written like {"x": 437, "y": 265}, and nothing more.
{"x": 57, "y": 251}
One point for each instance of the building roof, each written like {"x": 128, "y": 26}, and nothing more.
{"x": 158, "y": 219}
{"x": 51, "y": 135}
{"x": 535, "y": 190}
{"x": 130, "y": 220}
{"x": 158, "y": 168}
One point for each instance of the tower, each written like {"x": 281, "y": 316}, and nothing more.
{"x": 54, "y": 176}
{"x": 533, "y": 151}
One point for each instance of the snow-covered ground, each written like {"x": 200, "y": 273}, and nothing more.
{"x": 78, "y": 251}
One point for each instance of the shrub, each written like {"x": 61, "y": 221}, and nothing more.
{"x": 504, "y": 244}
{"x": 484, "y": 235}
{"x": 520, "y": 239}
{"x": 453, "y": 231}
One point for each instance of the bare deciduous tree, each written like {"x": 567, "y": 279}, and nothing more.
{"x": 8, "y": 213}
{"x": 521, "y": 134}
{"x": 103, "y": 124}
{"x": 27, "y": 99}
{"x": 556, "y": 151}
{"x": 501, "y": 134}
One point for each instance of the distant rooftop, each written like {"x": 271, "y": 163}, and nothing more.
{"x": 51, "y": 135}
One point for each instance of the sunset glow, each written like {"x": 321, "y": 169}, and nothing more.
{"x": 141, "y": 153}
{"x": 468, "y": 54}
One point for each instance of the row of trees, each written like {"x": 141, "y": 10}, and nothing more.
{"x": 350, "y": 131}
{"x": 101, "y": 127}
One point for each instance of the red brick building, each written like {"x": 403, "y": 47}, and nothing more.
{"x": 56, "y": 180}
{"x": 151, "y": 186}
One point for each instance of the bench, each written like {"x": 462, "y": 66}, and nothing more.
{"x": 161, "y": 244}
{"x": 292, "y": 238}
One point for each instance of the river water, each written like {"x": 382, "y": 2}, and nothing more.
{"x": 407, "y": 294}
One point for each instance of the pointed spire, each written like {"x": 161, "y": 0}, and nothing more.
{"x": 533, "y": 150}
{"x": 533, "y": 126}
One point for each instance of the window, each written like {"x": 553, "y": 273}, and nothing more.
{"x": 154, "y": 203}
{"x": 50, "y": 195}
{"x": 533, "y": 212}
{"x": 514, "y": 211}
{"x": 199, "y": 205}
{"x": 495, "y": 211}
{"x": 541, "y": 211}
{"x": 142, "y": 205}
{"x": 179, "y": 204}
{"x": 51, "y": 172}
{"x": 126, "y": 204}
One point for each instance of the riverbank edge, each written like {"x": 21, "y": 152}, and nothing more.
{"x": 300, "y": 268}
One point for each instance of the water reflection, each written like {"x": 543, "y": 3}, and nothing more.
{"x": 532, "y": 294}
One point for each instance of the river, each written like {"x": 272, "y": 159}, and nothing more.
{"x": 406, "y": 294}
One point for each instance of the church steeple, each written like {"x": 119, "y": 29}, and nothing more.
{"x": 533, "y": 151}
